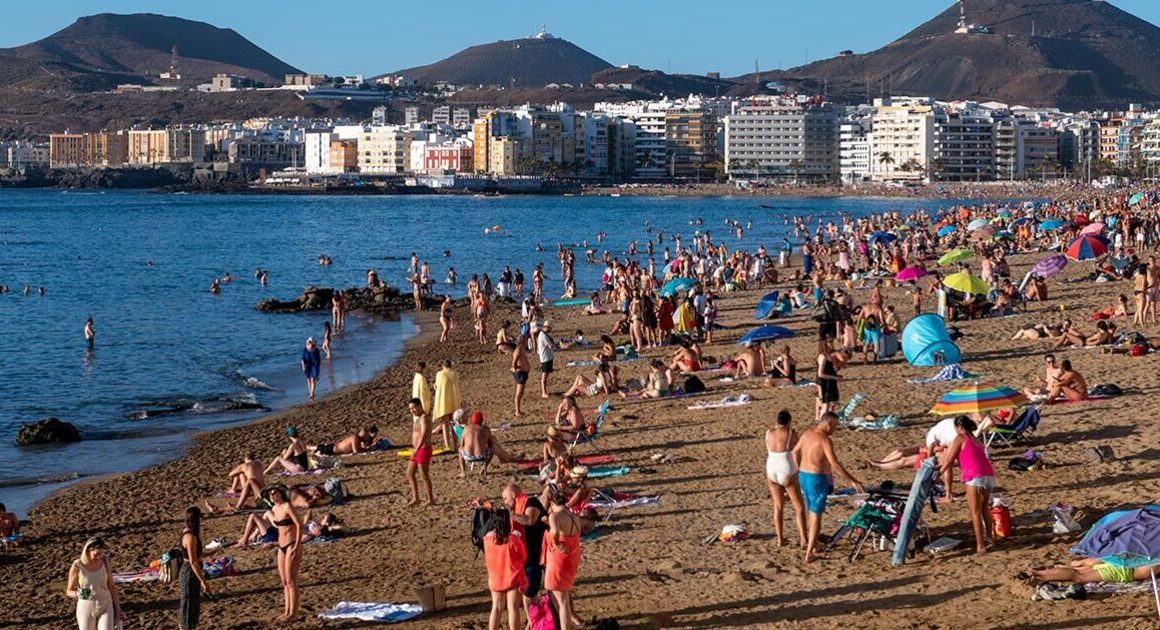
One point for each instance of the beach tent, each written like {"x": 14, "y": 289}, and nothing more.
{"x": 925, "y": 342}
{"x": 1123, "y": 531}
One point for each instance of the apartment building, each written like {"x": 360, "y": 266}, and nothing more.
{"x": 691, "y": 143}
{"x": 1024, "y": 148}
{"x": 148, "y": 147}
{"x": 903, "y": 139}
{"x": 92, "y": 149}
{"x": 856, "y": 149}
{"x": 964, "y": 146}
{"x": 384, "y": 151}
{"x": 782, "y": 139}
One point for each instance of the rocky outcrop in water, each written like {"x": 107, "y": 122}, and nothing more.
{"x": 381, "y": 300}
{"x": 47, "y": 431}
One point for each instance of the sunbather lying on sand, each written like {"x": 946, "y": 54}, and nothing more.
{"x": 1091, "y": 570}
{"x": 1038, "y": 331}
{"x": 366, "y": 439}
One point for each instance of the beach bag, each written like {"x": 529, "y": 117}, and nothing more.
{"x": 218, "y": 567}
{"x": 1106, "y": 390}
{"x": 170, "y": 566}
{"x": 541, "y": 615}
{"x": 693, "y": 385}
{"x": 333, "y": 486}
{"x": 480, "y": 526}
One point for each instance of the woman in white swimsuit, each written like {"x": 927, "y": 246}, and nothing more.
{"x": 781, "y": 475}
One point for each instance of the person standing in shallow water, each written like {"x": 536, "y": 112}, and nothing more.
{"x": 90, "y": 333}
{"x": 311, "y": 361}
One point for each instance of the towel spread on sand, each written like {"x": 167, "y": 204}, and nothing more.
{"x": 370, "y": 611}
{"x": 408, "y": 452}
{"x": 144, "y": 575}
{"x": 622, "y": 501}
{"x": 878, "y": 424}
{"x": 603, "y": 472}
{"x": 724, "y": 403}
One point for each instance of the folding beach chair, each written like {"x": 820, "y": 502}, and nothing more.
{"x": 847, "y": 411}
{"x": 597, "y": 426}
{"x": 1026, "y": 423}
{"x": 878, "y": 517}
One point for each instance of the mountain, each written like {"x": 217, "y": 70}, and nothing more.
{"x": 141, "y": 44}
{"x": 530, "y": 62}
{"x": 656, "y": 82}
{"x": 1066, "y": 53}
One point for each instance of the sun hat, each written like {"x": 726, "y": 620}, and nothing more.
{"x": 579, "y": 472}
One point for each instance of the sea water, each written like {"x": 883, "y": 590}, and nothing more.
{"x": 171, "y": 359}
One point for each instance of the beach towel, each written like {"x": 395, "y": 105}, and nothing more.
{"x": 144, "y": 575}
{"x": 604, "y": 472}
{"x": 952, "y": 372}
{"x": 619, "y": 501}
{"x": 878, "y": 424}
{"x": 845, "y": 412}
{"x": 369, "y": 611}
{"x": 408, "y": 452}
{"x": 447, "y": 394}
{"x": 724, "y": 403}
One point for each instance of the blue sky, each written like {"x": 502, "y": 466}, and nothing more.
{"x": 371, "y": 37}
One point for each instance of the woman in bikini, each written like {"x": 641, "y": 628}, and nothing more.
{"x": 562, "y": 558}
{"x": 781, "y": 475}
{"x": 294, "y": 458}
{"x": 289, "y": 548}
{"x": 569, "y": 418}
{"x": 660, "y": 380}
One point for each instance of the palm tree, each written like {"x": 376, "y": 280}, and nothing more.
{"x": 885, "y": 158}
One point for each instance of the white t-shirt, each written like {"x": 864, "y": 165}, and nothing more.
{"x": 544, "y": 347}
{"x": 942, "y": 433}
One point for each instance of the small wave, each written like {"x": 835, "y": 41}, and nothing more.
{"x": 245, "y": 401}
{"x": 253, "y": 382}
{"x": 38, "y": 481}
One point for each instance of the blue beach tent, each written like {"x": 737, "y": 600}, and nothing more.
{"x": 925, "y": 342}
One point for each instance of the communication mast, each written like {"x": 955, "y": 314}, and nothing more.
{"x": 174, "y": 69}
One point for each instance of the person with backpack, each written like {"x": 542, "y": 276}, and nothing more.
{"x": 504, "y": 553}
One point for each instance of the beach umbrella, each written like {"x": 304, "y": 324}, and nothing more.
{"x": 1051, "y": 224}
{"x": 1050, "y": 266}
{"x": 1005, "y": 214}
{"x": 765, "y": 333}
{"x": 1005, "y": 235}
{"x": 983, "y": 234}
{"x": 1081, "y": 219}
{"x": 677, "y": 285}
{"x": 1087, "y": 248}
{"x": 977, "y": 398}
{"x": 1136, "y": 198}
{"x": 1093, "y": 228}
{"x": 1020, "y": 221}
{"x": 965, "y": 282}
{"x": 881, "y": 237}
{"x": 976, "y": 224}
{"x": 956, "y": 255}
{"x": 765, "y": 306}
{"x": 910, "y": 274}
{"x": 946, "y": 229}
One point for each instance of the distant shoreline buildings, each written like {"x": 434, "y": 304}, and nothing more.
{"x": 754, "y": 141}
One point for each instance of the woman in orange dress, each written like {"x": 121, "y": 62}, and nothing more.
{"x": 504, "y": 552}
{"x": 562, "y": 558}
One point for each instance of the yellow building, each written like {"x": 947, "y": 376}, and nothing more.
{"x": 148, "y": 147}
{"x": 504, "y": 156}
{"x": 480, "y": 132}
{"x": 384, "y": 151}
{"x": 75, "y": 150}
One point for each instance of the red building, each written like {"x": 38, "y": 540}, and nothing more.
{"x": 455, "y": 158}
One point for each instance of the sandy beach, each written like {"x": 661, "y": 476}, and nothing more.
{"x": 649, "y": 568}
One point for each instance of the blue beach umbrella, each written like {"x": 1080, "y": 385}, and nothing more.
{"x": 881, "y": 237}
{"x": 677, "y": 285}
{"x": 1051, "y": 224}
{"x": 765, "y": 306}
{"x": 1020, "y": 221}
{"x": 946, "y": 229}
{"x": 977, "y": 223}
{"x": 766, "y": 333}
{"x": 1136, "y": 199}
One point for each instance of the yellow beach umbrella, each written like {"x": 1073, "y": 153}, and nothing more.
{"x": 965, "y": 282}
{"x": 956, "y": 255}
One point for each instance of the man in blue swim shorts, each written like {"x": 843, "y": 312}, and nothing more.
{"x": 817, "y": 464}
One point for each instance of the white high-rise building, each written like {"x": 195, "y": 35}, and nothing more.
{"x": 856, "y": 150}
{"x": 903, "y": 138}
{"x": 317, "y": 158}
{"x": 781, "y": 138}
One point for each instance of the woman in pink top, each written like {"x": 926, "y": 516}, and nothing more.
{"x": 976, "y": 474}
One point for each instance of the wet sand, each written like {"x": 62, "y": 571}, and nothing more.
{"x": 649, "y": 569}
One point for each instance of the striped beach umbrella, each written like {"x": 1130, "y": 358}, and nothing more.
{"x": 1087, "y": 248}
{"x": 977, "y": 398}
